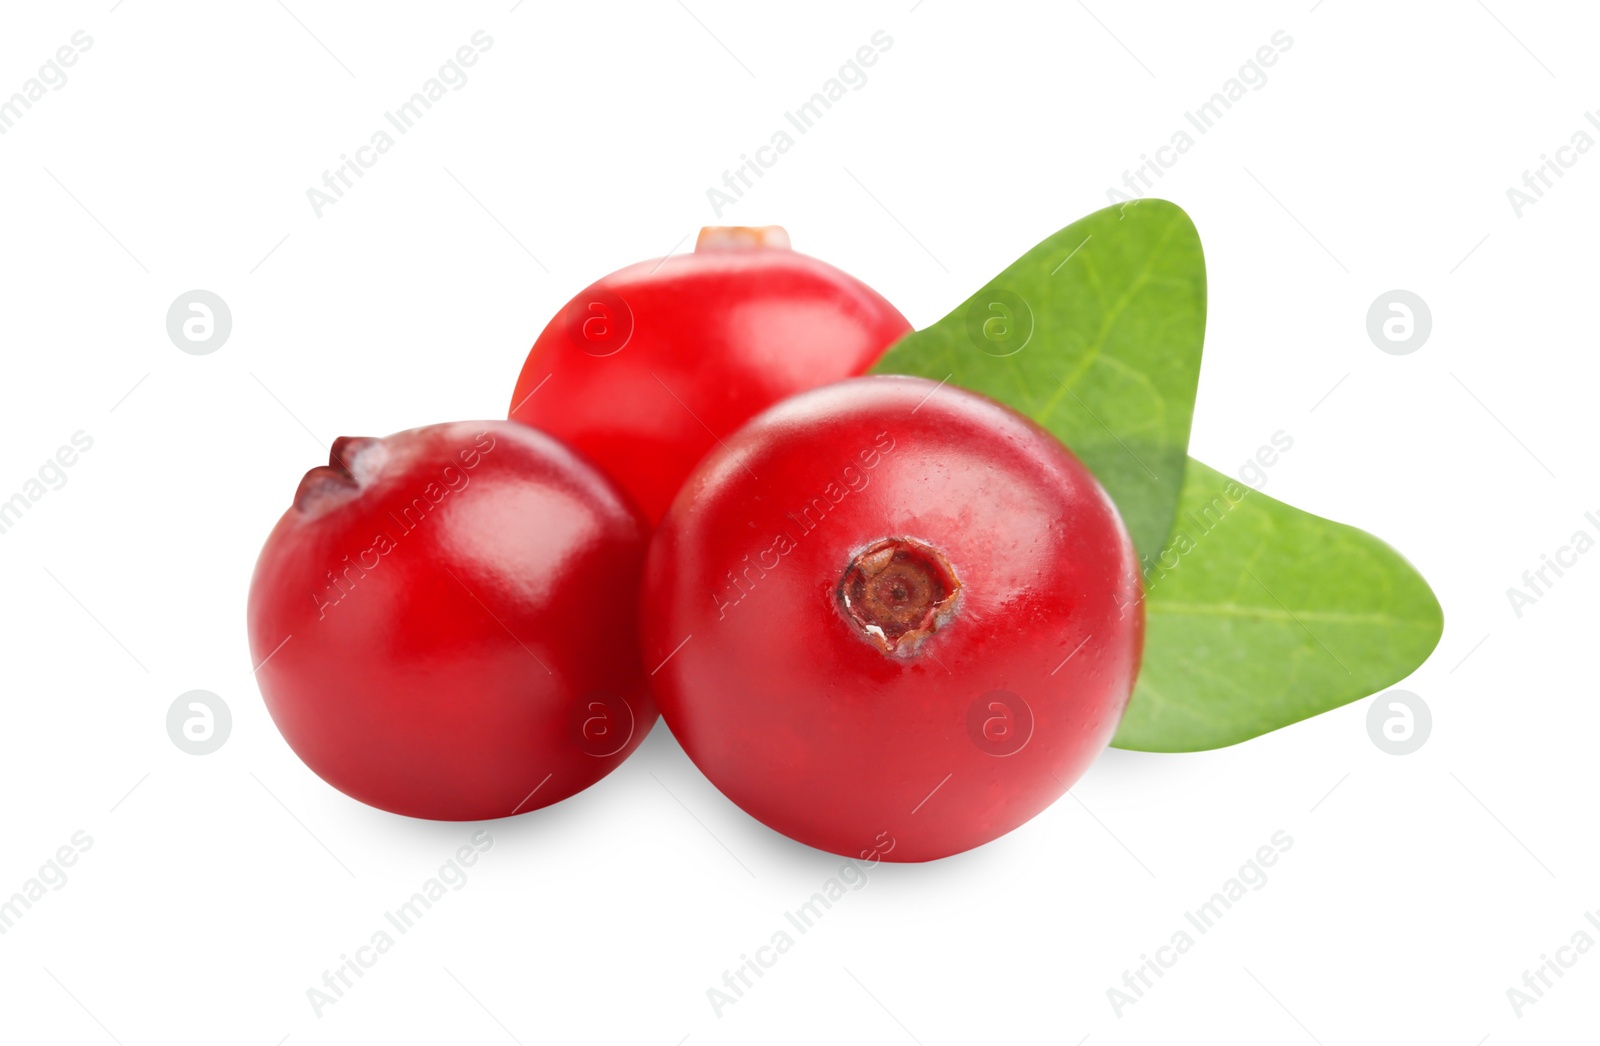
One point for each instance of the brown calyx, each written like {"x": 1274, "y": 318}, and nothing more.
{"x": 897, "y": 592}
{"x": 351, "y": 462}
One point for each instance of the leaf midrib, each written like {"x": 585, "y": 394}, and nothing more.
{"x": 1155, "y": 607}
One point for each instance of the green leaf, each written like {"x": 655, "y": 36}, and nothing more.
{"x": 1096, "y": 334}
{"x": 1259, "y": 615}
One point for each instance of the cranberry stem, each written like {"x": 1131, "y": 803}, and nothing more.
{"x": 741, "y": 238}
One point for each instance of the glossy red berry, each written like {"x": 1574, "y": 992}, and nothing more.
{"x": 445, "y": 622}
{"x": 645, "y": 370}
{"x": 891, "y": 619}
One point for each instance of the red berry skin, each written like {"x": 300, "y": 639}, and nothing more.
{"x": 1009, "y": 578}
{"x": 646, "y": 369}
{"x": 447, "y": 620}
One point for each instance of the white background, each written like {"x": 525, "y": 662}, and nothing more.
{"x": 219, "y": 888}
